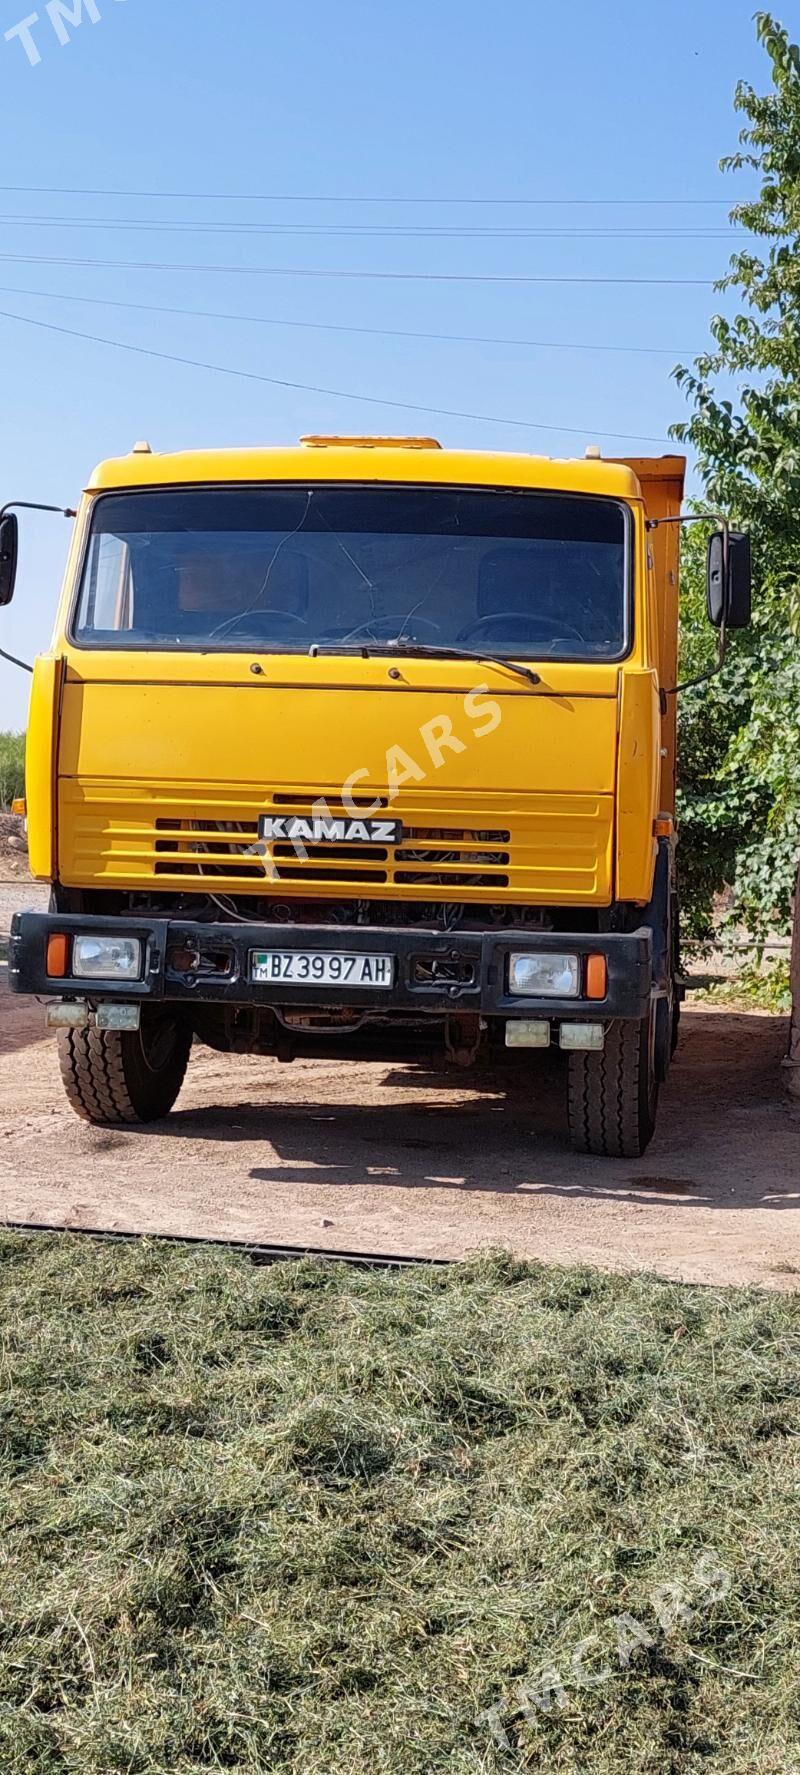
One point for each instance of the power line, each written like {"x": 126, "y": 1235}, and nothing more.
{"x": 305, "y": 197}
{"x": 330, "y": 393}
{"x": 362, "y": 231}
{"x": 261, "y": 320}
{"x": 447, "y": 277}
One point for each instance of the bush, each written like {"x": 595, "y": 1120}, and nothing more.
{"x": 12, "y": 767}
{"x": 741, "y": 739}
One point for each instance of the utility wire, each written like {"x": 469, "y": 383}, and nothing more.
{"x": 330, "y": 393}
{"x": 362, "y": 231}
{"x": 261, "y": 320}
{"x": 446, "y": 277}
{"x": 305, "y": 197}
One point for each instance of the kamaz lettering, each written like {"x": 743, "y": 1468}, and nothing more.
{"x": 296, "y": 829}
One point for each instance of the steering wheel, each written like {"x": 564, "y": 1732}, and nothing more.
{"x": 396, "y": 622}
{"x": 520, "y": 619}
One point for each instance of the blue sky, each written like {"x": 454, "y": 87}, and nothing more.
{"x": 428, "y": 100}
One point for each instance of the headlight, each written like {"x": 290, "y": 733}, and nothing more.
{"x": 107, "y": 958}
{"x": 545, "y": 976}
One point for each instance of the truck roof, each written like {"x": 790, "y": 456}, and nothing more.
{"x": 393, "y": 460}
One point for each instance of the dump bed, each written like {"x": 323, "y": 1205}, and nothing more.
{"x": 662, "y": 481}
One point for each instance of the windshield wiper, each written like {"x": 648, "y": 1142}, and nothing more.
{"x": 423, "y": 650}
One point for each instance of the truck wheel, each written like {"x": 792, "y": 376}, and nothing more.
{"x": 117, "y": 1076}
{"x": 613, "y": 1096}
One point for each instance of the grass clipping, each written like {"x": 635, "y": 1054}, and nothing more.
{"x": 311, "y": 1519}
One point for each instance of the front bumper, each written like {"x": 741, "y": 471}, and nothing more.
{"x": 436, "y": 973}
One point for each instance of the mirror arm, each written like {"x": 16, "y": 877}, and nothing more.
{"x": 23, "y": 664}
{"x": 691, "y": 518}
{"x": 693, "y": 683}
{"x": 705, "y": 677}
{"x": 722, "y": 649}
{"x": 26, "y": 505}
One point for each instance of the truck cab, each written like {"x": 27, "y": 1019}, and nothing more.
{"x": 361, "y": 747}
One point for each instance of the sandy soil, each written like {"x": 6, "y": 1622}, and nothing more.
{"x": 403, "y": 1158}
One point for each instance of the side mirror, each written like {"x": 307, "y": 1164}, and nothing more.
{"x": 740, "y": 581}
{"x": 9, "y": 544}
{"x": 729, "y": 591}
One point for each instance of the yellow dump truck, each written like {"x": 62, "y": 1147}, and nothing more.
{"x": 363, "y": 748}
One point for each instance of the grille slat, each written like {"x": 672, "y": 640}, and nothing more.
{"x": 455, "y": 857}
{"x": 541, "y": 848}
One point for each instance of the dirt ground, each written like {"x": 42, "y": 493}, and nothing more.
{"x": 13, "y": 852}
{"x": 430, "y": 1162}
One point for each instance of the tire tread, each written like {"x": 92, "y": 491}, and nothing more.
{"x": 609, "y": 1104}
{"x": 103, "y": 1083}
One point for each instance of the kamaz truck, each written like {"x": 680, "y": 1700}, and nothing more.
{"x": 363, "y": 748}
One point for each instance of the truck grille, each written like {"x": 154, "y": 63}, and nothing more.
{"x": 546, "y": 849}
{"x": 456, "y": 858}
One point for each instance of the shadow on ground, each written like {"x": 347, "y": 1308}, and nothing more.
{"x": 727, "y": 1136}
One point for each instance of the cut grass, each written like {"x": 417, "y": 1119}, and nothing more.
{"x": 312, "y": 1520}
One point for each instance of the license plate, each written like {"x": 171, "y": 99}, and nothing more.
{"x": 321, "y": 967}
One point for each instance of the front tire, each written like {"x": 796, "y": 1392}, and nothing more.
{"x": 613, "y": 1095}
{"x": 125, "y": 1077}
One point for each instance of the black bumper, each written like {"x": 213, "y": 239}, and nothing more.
{"x": 434, "y": 972}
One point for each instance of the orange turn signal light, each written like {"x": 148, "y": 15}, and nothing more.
{"x": 663, "y": 826}
{"x": 19, "y": 806}
{"x": 57, "y": 956}
{"x": 596, "y": 977}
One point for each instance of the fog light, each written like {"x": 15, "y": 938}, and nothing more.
{"x": 107, "y": 958}
{"x": 583, "y": 1037}
{"x": 118, "y": 1017}
{"x": 544, "y": 976}
{"x": 522, "y": 1033}
{"x": 59, "y": 1015}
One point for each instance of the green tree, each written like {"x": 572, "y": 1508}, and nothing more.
{"x": 742, "y": 742}
{"x": 12, "y": 767}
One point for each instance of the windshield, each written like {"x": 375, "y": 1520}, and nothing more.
{"x": 286, "y": 569}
